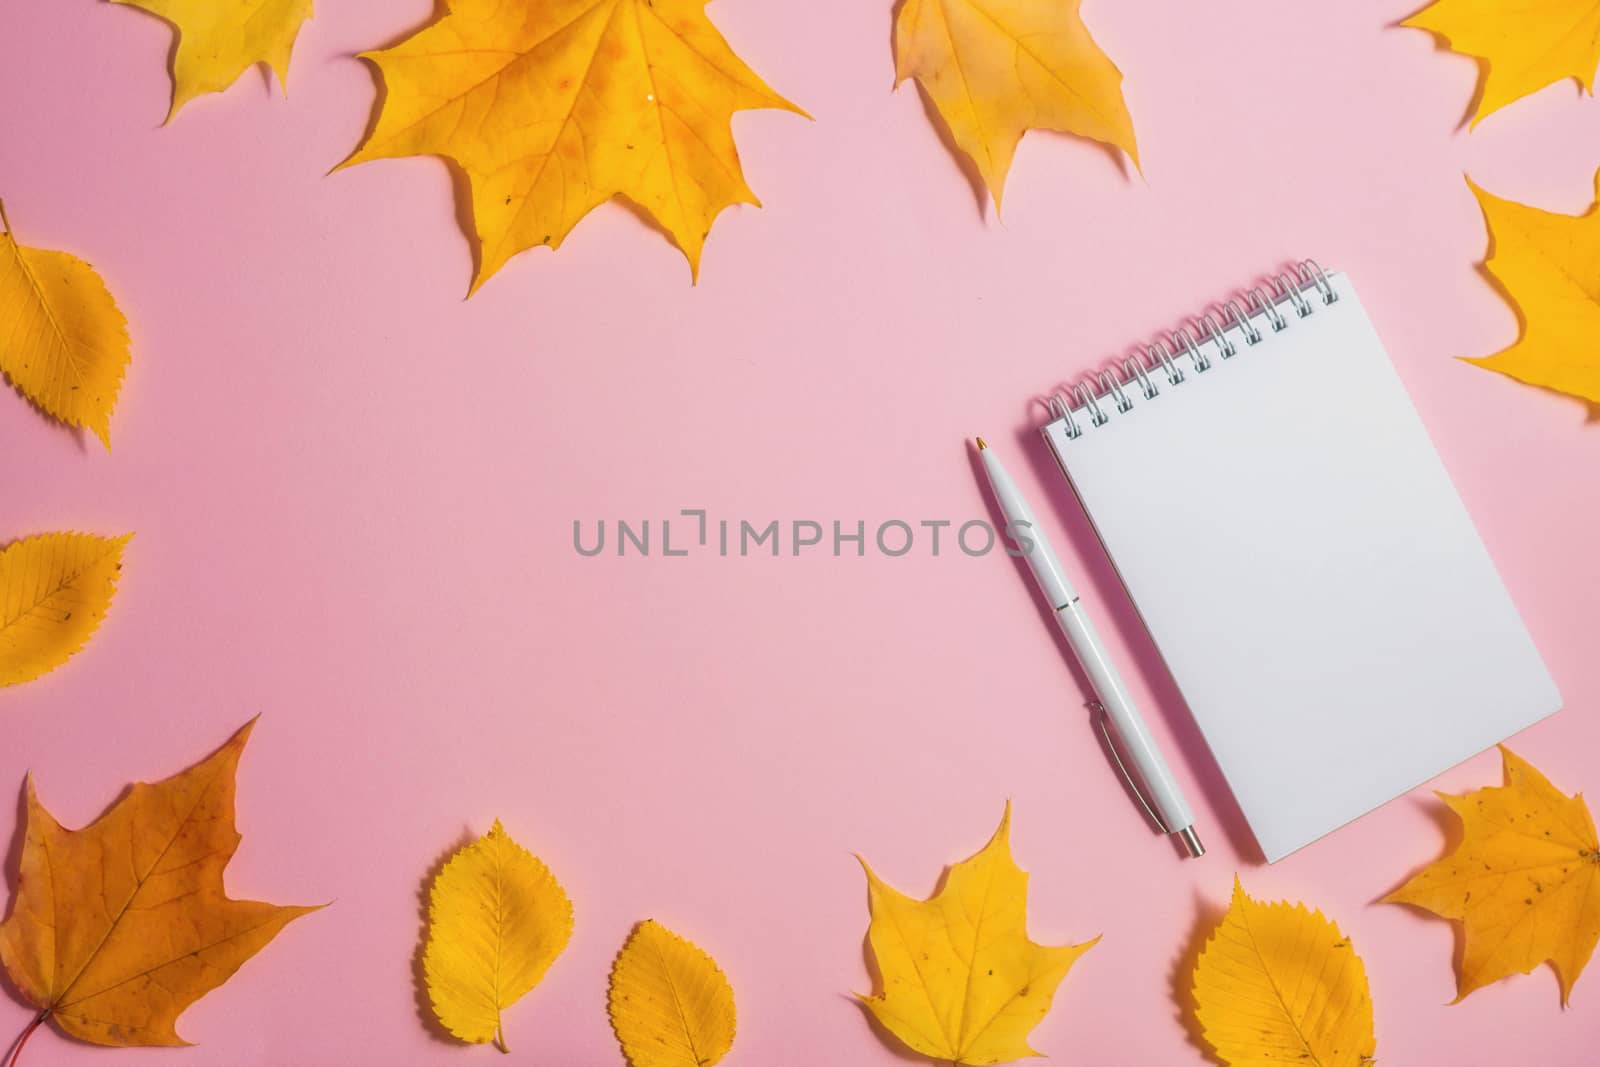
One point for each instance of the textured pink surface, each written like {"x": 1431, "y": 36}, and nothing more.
{"x": 354, "y": 494}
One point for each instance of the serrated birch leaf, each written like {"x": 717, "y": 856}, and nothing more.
{"x": 670, "y": 1004}
{"x": 1524, "y": 882}
{"x": 1521, "y": 47}
{"x": 217, "y": 42}
{"x": 497, "y": 920}
{"x": 553, "y": 108}
{"x": 1277, "y": 983}
{"x": 63, "y": 343}
{"x": 54, "y": 590}
{"x": 961, "y": 981}
{"x": 1549, "y": 265}
{"x": 117, "y": 928}
{"x": 998, "y": 68}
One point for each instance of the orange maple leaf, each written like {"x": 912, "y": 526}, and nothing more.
{"x": 120, "y": 926}
{"x": 1524, "y": 882}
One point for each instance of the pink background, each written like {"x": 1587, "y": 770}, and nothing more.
{"x": 354, "y": 491}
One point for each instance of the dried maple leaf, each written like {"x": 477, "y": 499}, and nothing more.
{"x": 553, "y": 108}
{"x": 54, "y": 590}
{"x": 1277, "y": 983}
{"x": 1549, "y": 265}
{"x": 961, "y": 982}
{"x": 63, "y": 342}
{"x": 1524, "y": 882}
{"x": 1521, "y": 47}
{"x": 217, "y": 42}
{"x": 497, "y": 920}
{"x": 670, "y": 1004}
{"x": 115, "y": 929}
{"x": 997, "y": 68}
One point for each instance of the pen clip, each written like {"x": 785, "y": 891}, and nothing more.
{"x": 1111, "y": 744}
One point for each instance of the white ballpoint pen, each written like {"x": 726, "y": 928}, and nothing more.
{"x": 1155, "y": 787}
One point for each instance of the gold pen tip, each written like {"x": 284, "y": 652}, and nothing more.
{"x": 981, "y": 445}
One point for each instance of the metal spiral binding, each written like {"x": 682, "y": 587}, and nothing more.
{"x": 1210, "y": 327}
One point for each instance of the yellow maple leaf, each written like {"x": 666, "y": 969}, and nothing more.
{"x": 1549, "y": 265}
{"x": 1277, "y": 983}
{"x": 1521, "y": 47}
{"x": 217, "y": 42}
{"x": 553, "y": 108}
{"x": 497, "y": 920}
{"x": 997, "y": 68}
{"x": 670, "y": 1004}
{"x": 1524, "y": 882}
{"x": 960, "y": 980}
{"x": 63, "y": 342}
{"x": 54, "y": 590}
{"x": 120, "y": 926}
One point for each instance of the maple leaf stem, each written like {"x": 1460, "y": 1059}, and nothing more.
{"x": 16, "y": 1051}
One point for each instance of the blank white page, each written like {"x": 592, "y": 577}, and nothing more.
{"x": 1292, "y": 541}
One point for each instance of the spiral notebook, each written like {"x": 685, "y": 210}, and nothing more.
{"x": 1281, "y": 520}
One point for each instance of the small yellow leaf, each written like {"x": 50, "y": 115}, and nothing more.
{"x": 497, "y": 920}
{"x": 997, "y": 68}
{"x": 63, "y": 342}
{"x": 1522, "y": 47}
{"x": 1549, "y": 264}
{"x": 961, "y": 981}
{"x": 669, "y": 1003}
{"x": 553, "y": 108}
{"x": 1524, "y": 882}
{"x": 1278, "y": 984}
{"x": 217, "y": 42}
{"x": 54, "y": 590}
